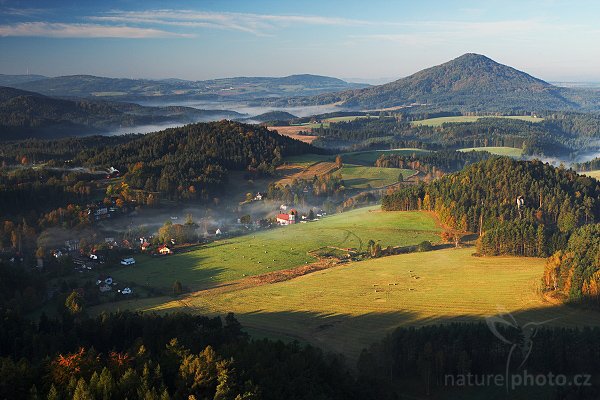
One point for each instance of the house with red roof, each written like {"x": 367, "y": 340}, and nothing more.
{"x": 287, "y": 219}
{"x": 164, "y": 250}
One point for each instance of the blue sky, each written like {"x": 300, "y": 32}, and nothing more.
{"x": 552, "y": 39}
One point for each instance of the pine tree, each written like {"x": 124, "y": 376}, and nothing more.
{"x": 82, "y": 391}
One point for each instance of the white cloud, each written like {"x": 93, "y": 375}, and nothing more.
{"x": 74, "y": 30}
{"x": 22, "y": 12}
{"x": 257, "y": 24}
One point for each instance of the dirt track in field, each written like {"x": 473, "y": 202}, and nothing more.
{"x": 264, "y": 279}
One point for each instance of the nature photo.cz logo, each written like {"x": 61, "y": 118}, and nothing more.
{"x": 522, "y": 343}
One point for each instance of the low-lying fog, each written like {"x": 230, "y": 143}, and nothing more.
{"x": 242, "y": 108}
{"x": 144, "y": 128}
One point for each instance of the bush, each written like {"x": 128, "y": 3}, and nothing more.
{"x": 425, "y": 246}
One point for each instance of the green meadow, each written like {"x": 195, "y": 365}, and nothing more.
{"x": 279, "y": 248}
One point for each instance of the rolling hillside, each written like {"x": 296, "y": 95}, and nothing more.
{"x": 26, "y": 114}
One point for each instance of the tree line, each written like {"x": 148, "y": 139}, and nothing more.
{"x": 559, "y": 133}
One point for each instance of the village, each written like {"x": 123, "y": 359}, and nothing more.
{"x": 95, "y": 262}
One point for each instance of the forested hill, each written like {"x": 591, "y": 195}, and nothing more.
{"x": 27, "y": 114}
{"x": 556, "y": 202}
{"x": 194, "y": 159}
{"x": 470, "y": 82}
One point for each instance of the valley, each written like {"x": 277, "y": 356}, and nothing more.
{"x": 298, "y": 236}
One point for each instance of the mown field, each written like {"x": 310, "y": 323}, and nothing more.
{"x": 357, "y": 171}
{"x": 442, "y": 120}
{"x": 501, "y": 151}
{"x": 347, "y": 307}
{"x": 280, "y": 248}
{"x": 360, "y": 177}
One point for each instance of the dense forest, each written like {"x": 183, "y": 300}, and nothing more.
{"x": 575, "y": 271}
{"x": 484, "y": 198}
{"x": 437, "y": 357}
{"x": 193, "y": 160}
{"x": 434, "y": 163}
{"x": 186, "y": 162}
{"x": 559, "y": 134}
{"x": 177, "y": 356}
{"x": 180, "y": 356}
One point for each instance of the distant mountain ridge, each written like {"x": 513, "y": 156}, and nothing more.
{"x": 470, "y": 82}
{"x": 244, "y": 88}
{"x": 25, "y": 114}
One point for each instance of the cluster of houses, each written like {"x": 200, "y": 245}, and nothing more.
{"x": 163, "y": 249}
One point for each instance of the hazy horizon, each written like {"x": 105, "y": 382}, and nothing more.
{"x": 207, "y": 40}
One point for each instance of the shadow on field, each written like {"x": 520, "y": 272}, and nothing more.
{"x": 348, "y": 334}
{"x": 161, "y": 272}
{"x": 357, "y": 181}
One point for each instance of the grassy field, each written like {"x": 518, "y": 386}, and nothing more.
{"x": 357, "y": 171}
{"x": 593, "y": 174}
{"x": 442, "y": 120}
{"x": 347, "y": 307}
{"x": 277, "y": 249}
{"x": 360, "y": 177}
{"x": 501, "y": 151}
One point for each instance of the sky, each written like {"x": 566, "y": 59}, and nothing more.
{"x": 357, "y": 40}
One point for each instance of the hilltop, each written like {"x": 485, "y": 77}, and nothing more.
{"x": 470, "y": 82}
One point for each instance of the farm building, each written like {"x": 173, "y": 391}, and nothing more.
{"x": 287, "y": 219}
